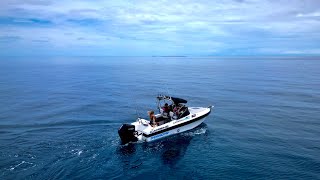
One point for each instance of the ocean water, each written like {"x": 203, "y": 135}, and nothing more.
{"x": 59, "y": 117}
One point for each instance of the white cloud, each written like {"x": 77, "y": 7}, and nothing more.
{"x": 313, "y": 14}
{"x": 307, "y": 51}
{"x": 193, "y": 25}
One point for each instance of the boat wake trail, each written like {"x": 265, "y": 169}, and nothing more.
{"x": 198, "y": 131}
{"x": 24, "y": 165}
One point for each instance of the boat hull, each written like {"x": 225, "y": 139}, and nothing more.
{"x": 144, "y": 132}
{"x": 174, "y": 131}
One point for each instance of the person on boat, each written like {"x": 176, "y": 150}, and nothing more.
{"x": 165, "y": 108}
{"x": 152, "y": 119}
{"x": 176, "y": 109}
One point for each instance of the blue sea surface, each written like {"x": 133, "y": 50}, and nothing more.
{"x": 59, "y": 117}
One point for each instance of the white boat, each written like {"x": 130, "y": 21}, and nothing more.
{"x": 177, "y": 119}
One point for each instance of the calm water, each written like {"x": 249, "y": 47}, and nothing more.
{"x": 59, "y": 118}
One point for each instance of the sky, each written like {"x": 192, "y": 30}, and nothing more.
{"x": 159, "y": 28}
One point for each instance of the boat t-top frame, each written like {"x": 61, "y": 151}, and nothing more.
{"x": 174, "y": 102}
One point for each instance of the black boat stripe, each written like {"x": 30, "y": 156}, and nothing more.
{"x": 179, "y": 125}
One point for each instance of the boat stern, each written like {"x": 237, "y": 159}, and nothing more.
{"x": 127, "y": 133}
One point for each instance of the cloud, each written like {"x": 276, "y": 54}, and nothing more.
{"x": 186, "y": 27}
{"x": 9, "y": 39}
{"x": 313, "y": 14}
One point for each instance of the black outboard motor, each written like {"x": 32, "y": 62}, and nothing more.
{"x": 126, "y": 133}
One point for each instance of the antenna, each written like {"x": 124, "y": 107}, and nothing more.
{"x": 136, "y": 108}
{"x": 166, "y": 91}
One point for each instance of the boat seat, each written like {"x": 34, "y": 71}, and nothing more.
{"x": 161, "y": 120}
{"x": 165, "y": 115}
{"x": 184, "y": 112}
{"x": 173, "y": 115}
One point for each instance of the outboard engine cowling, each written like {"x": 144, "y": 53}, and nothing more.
{"x": 126, "y": 133}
